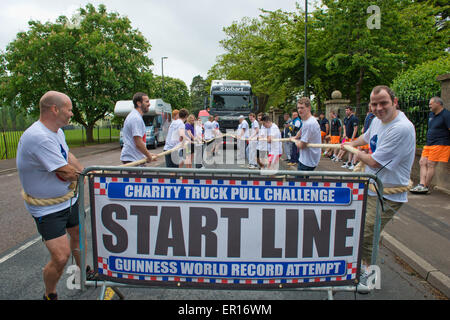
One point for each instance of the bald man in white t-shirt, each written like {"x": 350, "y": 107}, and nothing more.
{"x": 46, "y": 169}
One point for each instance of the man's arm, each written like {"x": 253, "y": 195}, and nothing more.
{"x": 71, "y": 171}
{"x": 360, "y": 155}
{"x": 140, "y": 145}
{"x": 75, "y": 162}
{"x": 255, "y": 133}
{"x": 355, "y": 131}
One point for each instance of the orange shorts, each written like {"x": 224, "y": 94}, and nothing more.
{"x": 335, "y": 139}
{"x": 436, "y": 153}
{"x": 323, "y": 134}
{"x": 364, "y": 147}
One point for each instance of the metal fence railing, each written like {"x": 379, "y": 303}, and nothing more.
{"x": 417, "y": 112}
{"x": 75, "y": 136}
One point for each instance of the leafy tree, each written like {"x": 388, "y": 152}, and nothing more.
{"x": 420, "y": 81}
{"x": 255, "y": 50}
{"x": 96, "y": 62}
{"x": 343, "y": 52}
{"x": 175, "y": 92}
{"x": 199, "y": 91}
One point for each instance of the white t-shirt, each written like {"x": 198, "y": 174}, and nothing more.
{"x": 255, "y": 126}
{"x": 275, "y": 146}
{"x": 393, "y": 146}
{"x": 198, "y": 132}
{"x": 209, "y": 127}
{"x": 243, "y": 126}
{"x": 310, "y": 134}
{"x": 173, "y": 136}
{"x": 39, "y": 153}
{"x": 216, "y": 127}
{"x": 262, "y": 143}
{"x": 133, "y": 126}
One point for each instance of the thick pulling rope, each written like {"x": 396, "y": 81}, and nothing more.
{"x": 386, "y": 191}
{"x": 50, "y": 201}
{"x": 359, "y": 168}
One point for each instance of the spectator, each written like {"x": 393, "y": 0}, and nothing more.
{"x": 287, "y": 145}
{"x": 438, "y": 144}
{"x": 350, "y": 134}
{"x": 296, "y": 131}
{"x": 335, "y": 134}
{"x": 324, "y": 127}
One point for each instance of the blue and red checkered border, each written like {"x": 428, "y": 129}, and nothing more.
{"x": 103, "y": 270}
{"x": 357, "y": 189}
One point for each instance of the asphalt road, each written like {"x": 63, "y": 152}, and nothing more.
{"x": 23, "y": 255}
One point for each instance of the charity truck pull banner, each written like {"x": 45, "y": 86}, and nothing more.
{"x": 232, "y": 233}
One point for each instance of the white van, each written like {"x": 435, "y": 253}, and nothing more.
{"x": 157, "y": 120}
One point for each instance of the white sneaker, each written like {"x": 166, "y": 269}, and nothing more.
{"x": 351, "y": 167}
{"x": 345, "y": 165}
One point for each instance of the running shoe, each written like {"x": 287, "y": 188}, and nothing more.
{"x": 51, "y": 296}
{"x": 90, "y": 274}
{"x": 420, "y": 188}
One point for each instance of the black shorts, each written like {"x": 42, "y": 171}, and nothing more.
{"x": 54, "y": 225}
{"x": 169, "y": 161}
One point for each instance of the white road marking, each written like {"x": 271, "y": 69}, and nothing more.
{"x": 19, "y": 250}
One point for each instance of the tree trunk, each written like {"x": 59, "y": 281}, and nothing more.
{"x": 89, "y": 133}
{"x": 359, "y": 86}
{"x": 262, "y": 101}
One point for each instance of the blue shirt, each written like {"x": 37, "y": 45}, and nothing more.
{"x": 351, "y": 123}
{"x": 438, "y": 129}
{"x": 368, "y": 121}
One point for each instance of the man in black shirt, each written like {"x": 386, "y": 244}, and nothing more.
{"x": 334, "y": 136}
{"x": 350, "y": 134}
{"x": 438, "y": 144}
{"x": 324, "y": 126}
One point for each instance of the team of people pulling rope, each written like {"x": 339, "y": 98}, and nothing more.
{"x": 48, "y": 171}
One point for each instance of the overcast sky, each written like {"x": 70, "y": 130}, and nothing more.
{"x": 186, "y": 31}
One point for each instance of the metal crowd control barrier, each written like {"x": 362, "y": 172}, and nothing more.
{"x": 226, "y": 229}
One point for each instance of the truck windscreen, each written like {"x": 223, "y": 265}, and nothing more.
{"x": 225, "y": 102}
{"x": 148, "y": 120}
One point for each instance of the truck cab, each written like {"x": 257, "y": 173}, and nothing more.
{"x": 229, "y": 99}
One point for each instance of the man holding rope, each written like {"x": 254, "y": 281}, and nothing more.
{"x": 175, "y": 137}
{"x": 46, "y": 169}
{"x": 309, "y": 158}
{"x": 134, "y": 132}
{"x": 392, "y": 139}
{"x": 253, "y": 143}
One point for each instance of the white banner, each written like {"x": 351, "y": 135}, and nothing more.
{"x": 227, "y": 232}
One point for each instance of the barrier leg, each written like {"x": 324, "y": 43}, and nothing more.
{"x": 376, "y": 233}
{"x": 102, "y": 292}
{"x": 119, "y": 293}
{"x": 330, "y": 294}
{"x": 82, "y": 229}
